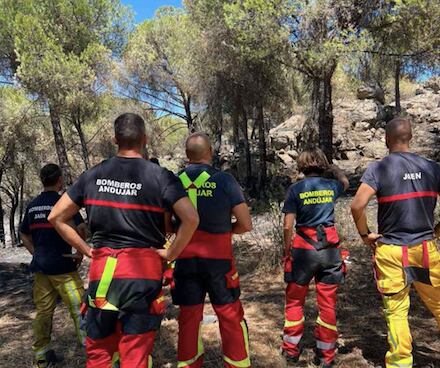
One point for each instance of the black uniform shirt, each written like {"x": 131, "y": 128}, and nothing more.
{"x": 125, "y": 200}
{"x": 407, "y": 187}
{"x": 49, "y": 246}
{"x": 217, "y": 194}
{"x": 313, "y": 201}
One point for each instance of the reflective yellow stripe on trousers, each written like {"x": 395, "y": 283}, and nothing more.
{"x": 104, "y": 284}
{"x": 288, "y": 324}
{"x": 200, "y": 352}
{"x": 247, "y": 361}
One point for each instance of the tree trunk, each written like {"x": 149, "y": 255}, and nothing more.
{"x": 82, "y": 138}
{"x": 235, "y": 121}
{"x": 60, "y": 145}
{"x": 188, "y": 115}
{"x": 12, "y": 229}
{"x": 217, "y": 135}
{"x": 325, "y": 121}
{"x": 2, "y": 213}
{"x": 21, "y": 199}
{"x": 321, "y": 117}
{"x": 397, "y": 73}
{"x": 262, "y": 152}
{"x": 247, "y": 148}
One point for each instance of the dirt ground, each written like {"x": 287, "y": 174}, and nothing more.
{"x": 361, "y": 325}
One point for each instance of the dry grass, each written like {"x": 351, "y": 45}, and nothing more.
{"x": 361, "y": 324}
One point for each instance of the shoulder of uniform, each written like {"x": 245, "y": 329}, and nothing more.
{"x": 33, "y": 201}
{"x": 223, "y": 174}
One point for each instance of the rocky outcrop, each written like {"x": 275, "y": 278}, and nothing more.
{"x": 371, "y": 93}
{"x": 359, "y": 134}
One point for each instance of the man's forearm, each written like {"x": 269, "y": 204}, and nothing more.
{"x": 71, "y": 236}
{"x": 183, "y": 236}
{"x": 288, "y": 233}
{"x": 360, "y": 219}
{"x": 238, "y": 228}
{"x": 28, "y": 244}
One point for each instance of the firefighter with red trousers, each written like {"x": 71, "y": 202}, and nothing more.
{"x": 126, "y": 198}
{"x": 312, "y": 252}
{"x": 206, "y": 266}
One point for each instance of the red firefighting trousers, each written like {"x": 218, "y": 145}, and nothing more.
{"x": 125, "y": 306}
{"x": 326, "y": 267}
{"x": 207, "y": 266}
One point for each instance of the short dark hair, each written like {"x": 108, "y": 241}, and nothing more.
{"x": 129, "y": 130}
{"x": 312, "y": 160}
{"x": 50, "y": 174}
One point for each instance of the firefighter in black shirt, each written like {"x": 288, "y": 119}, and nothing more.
{"x": 207, "y": 265}
{"x": 126, "y": 198}
{"x": 53, "y": 264}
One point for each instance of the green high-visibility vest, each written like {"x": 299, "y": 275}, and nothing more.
{"x": 193, "y": 186}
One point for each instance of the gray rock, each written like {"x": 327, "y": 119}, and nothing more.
{"x": 432, "y": 84}
{"x": 371, "y": 93}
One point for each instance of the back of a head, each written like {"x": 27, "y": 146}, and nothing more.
{"x": 312, "y": 160}
{"x": 398, "y": 131}
{"x": 129, "y": 130}
{"x": 50, "y": 174}
{"x": 198, "y": 147}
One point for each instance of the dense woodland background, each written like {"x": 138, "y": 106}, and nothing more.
{"x": 233, "y": 68}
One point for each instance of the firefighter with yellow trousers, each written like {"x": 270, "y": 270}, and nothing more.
{"x": 54, "y": 265}
{"x": 406, "y": 186}
{"x": 206, "y": 265}
{"x": 313, "y": 252}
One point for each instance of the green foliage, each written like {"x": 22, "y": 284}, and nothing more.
{"x": 159, "y": 60}
{"x": 63, "y": 48}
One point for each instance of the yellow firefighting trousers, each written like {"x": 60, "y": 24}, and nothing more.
{"x": 393, "y": 283}
{"x": 46, "y": 290}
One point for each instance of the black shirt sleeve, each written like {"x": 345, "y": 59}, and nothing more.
{"x": 77, "y": 191}
{"x": 437, "y": 172}
{"x": 234, "y": 191}
{"x": 370, "y": 177}
{"x": 290, "y": 205}
{"x": 172, "y": 189}
{"x": 25, "y": 225}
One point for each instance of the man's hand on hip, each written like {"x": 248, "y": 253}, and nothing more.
{"x": 371, "y": 240}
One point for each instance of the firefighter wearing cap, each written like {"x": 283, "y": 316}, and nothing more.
{"x": 206, "y": 266}
{"x": 53, "y": 264}
{"x": 406, "y": 186}
{"x": 313, "y": 252}
{"x": 126, "y": 198}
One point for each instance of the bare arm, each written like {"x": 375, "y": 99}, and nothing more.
{"x": 168, "y": 223}
{"x": 82, "y": 230}
{"x": 189, "y": 221}
{"x": 60, "y": 217}
{"x": 243, "y": 222}
{"x": 289, "y": 221}
{"x": 27, "y": 242}
{"x": 339, "y": 176}
{"x": 358, "y": 210}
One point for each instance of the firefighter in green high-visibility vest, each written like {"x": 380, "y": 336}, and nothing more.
{"x": 207, "y": 265}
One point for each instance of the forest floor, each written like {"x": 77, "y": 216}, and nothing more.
{"x": 362, "y": 328}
